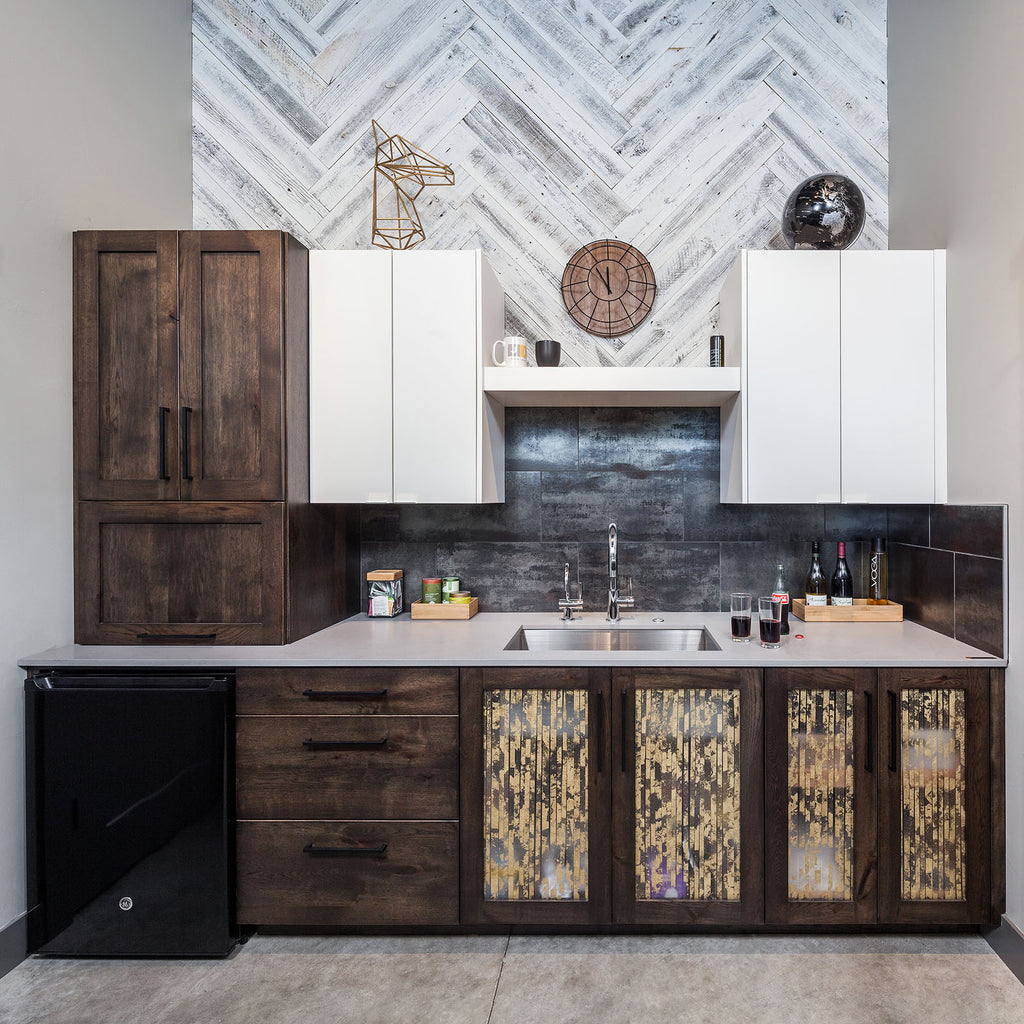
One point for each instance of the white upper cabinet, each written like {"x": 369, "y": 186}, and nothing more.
{"x": 843, "y": 387}
{"x": 397, "y": 350}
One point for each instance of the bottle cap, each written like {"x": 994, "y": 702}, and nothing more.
{"x": 878, "y": 546}
{"x": 815, "y": 547}
{"x": 842, "y": 549}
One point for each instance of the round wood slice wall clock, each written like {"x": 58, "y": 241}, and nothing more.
{"x": 608, "y": 287}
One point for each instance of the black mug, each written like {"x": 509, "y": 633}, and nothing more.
{"x": 548, "y": 353}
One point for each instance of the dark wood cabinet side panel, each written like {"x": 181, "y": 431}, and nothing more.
{"x": 296, "y": 369}
{"x": 414, "y": 773}
{"x": 414, "y": 881}
{"x": 125, "y": 364}
{"x": 347, "y": 691}
{"x": 997, "y": 770}
{"x": 185, "y": 569}
{"x": 323, "y": 568}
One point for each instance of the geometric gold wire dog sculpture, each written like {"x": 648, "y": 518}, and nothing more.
{"x": 402, "y": 171}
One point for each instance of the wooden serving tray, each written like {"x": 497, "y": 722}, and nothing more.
{"x": 860, "y": 612}
{"x": 444, "y": 611}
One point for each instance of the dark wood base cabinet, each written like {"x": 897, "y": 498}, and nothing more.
{"x": 669, "y": 799}
{"x": 347, "y": 797}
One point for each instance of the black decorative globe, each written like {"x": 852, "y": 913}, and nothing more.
{"x": 824, "y": 212}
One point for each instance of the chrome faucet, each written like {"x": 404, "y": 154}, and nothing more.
{"x": 614, "y": 600}
{"x": 572, "y": 600}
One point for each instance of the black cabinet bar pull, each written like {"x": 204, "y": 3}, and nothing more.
{"x": 344, "y": 851}
{"x": 623, "y": 726}
{"x": 176, "y": 638}
{"x": 869, "y": 758}
{"x": 894, "y": 731}
{"x": 186, "y": 443}
{"x": 344, "y": 744}
{"x": 162, "y": 469}
{"x": 600, "y": 730}
{"x": 345, "y": 694}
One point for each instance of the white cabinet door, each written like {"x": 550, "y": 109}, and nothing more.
{"x": 891, "y": 365}
{"x": 436, "y": 396}
{"x": 791, "y": 377}
{"x": 350, "y": 423}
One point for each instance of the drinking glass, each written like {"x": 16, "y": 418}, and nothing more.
{"x": 739, "y": 608}
{"x": 770, "y": 614}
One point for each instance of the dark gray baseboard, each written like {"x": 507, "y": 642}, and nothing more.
{"x": 13, "y": 943}
{"x": 1008, "y": 942}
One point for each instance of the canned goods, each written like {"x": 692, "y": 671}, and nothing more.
{"x": 450, "y": 584}
{"x": 431, "y": 589}
{"x": 460, "y": 597}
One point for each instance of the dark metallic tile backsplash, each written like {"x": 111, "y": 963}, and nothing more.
{"x": 655, "y": 473}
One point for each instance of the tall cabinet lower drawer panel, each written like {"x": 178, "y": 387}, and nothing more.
{"x": 310, "y": 873}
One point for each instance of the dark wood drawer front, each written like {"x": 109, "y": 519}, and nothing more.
{"x": 348, "y": 873}
{"x": 337, "y": 767}
{"x": 347, "y": 691}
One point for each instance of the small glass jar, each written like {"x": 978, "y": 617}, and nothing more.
{"x": 448, "y": 586}
{"x": 460, "y": 597}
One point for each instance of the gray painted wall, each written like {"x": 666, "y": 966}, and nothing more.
{"x": 955, "y": 86}
{"x": 96, "y": 133}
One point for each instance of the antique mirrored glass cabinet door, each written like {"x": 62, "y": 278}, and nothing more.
{"x": 535, "y": 795}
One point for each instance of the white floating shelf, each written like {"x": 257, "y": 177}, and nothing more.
{"x": 623, "y": 386}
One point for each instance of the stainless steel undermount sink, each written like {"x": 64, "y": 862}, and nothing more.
{"x": 618, "y": 638}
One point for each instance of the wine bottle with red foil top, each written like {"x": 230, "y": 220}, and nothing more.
{"x": 780, "y": 593}
{"x": 842, "y": 580}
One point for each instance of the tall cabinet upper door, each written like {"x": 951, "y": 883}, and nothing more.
{"x": 435, "y": 389}
{"x": 231, "y": 341}
{"x": 126, "y": 364}
{"x": 792, "y": 376}
{"x": 893, "y": 374}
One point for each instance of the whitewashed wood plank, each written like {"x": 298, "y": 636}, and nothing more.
{"x": 856, "y": 97}
{"x": 266, "y": 29}
{"x": 265, "y": 209}
{"x": 213, "y": 208}
{"x": 294, "y": 28}
{"x": 682, "y": 52}
{"x": 241, "y": 113}
{"x": 652, "y": 117}
{"x": 654, "y": 26}
{"x": 590, "y": 137}
{"x": 386, "y": 81}
{"x": 330, "y": 20}
{"x": 489, "y": 157}
{"x": 592, "y": 24}
{"x": 589, "y": 203}
{"x": 869, "y": 168}
{"x": 876, "y": 12}
{"x": 546, "y": 44}
{"x": 398, "y": 114}
{"x": 248, "y": 64}
{"x": 844, "y": 25}
{"x": 275, "y": 178}
{"x": 308, "y": 9}
{"x": 380, "y": 45}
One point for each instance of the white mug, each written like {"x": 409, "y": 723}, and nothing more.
{"x": 512, "y": 352}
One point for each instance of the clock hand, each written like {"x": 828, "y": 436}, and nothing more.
{"x": 607, "y": 281}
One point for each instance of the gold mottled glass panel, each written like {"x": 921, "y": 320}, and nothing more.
{"x": 687, "y": 791}
{"x": 933, "y": 787}
{"x": 535, "y": 795}
{"x": 821, "y": 794}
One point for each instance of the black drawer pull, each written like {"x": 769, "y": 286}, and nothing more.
{"x": 162, "y": 453}
{"x": 869, "y": 757}
{"x": 176, "y": 638}
{"x": 344, "y": 744}
{"x": 894, "y": 732}
{"x": 344, "y": 851}
{"x": 186, "y": 443}
{"x": 345, "y": 694}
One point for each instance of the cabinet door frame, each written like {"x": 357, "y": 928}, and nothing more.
{"x": 779, "y": 909}
{"x": 749, "y": 909}
{"x": 475, "y": 909}
{"x": 270, "y": 323}
{"x": 88, "y": 371}
{"x": 975, "y": 908}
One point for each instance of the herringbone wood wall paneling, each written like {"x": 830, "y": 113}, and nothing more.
{"x": 679, "y": 126}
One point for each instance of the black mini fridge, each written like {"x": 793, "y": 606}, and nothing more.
{"x": 130, "y": 805}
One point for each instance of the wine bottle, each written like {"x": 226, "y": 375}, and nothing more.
{"x": 842, "y": 581}
{"x": 815, "y": 586}
{"x": 878, "y": 581}
{"x": 780, "y": 593}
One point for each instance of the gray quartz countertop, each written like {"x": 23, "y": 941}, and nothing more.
{"x": 361, "y": 641}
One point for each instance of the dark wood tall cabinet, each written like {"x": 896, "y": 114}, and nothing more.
{"x": 193, "y": 521}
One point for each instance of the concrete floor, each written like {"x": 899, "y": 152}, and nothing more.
{"x": 555, "y": 980}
